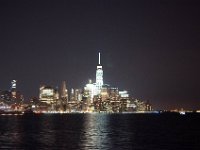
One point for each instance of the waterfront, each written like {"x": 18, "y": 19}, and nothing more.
{"x": 100, "y": 131}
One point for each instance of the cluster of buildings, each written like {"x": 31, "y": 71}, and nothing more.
{"x": 94, "y": 97}
{"x": 11, "y": 99}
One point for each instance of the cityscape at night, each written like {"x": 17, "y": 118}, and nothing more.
{"x": 149, "y": 48}
{"x": 94, "y": 97}
{"x": 100, "y": 74}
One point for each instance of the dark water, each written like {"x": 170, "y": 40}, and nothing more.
{"x": 101, "y": 131}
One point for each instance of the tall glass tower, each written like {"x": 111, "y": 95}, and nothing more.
{"x": 99, "y": 76}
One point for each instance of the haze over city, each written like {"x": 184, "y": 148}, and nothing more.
{"x": 150, "y": 48}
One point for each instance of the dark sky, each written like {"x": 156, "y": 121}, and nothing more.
{"x": 149, "y": 47}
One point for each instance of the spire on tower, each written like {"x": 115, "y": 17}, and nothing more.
{"x": 99, "y": 59}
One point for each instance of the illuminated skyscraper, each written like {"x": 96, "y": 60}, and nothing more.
{"x": 13, "y": 88}
{"x": 99, "y": 76}
{"x": 91, "y": 90}
{"x": 72, "y": 95}
{"x": 64, "y": 92}
{"x": 48, "y": 94}
{"x": 78, "y": 94}
{"x": 13, "y": 84}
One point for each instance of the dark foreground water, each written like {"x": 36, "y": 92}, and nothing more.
{"x": 101, "y": 131}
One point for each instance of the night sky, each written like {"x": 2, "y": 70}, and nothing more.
{"x": 150, "y": 48}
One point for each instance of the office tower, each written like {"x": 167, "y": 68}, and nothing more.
{"x": 13, "y": 88}
{"x": 114, "y": 93}
{"x": 64, "y": 92}
{"x": 13, "y": 84}
{"x": 91, "y": 88}
{"x": 104, "y": 92}
{"x": 78, "y": 94}
{"x": 72, "y": 96}
{"x": 99, "y": 76}
{"x": 48, "y": 95}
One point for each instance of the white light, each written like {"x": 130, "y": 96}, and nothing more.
{"x": 99, "y": 59}
{"x": 182, "y": 113}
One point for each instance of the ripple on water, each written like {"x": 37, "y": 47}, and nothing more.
{"x": 99, "y": 131}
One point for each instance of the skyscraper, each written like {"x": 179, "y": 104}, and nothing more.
{"x": 72, "y": 95}
{"x": 13, "y": 88}
{"x": 48, "y": 94}
{"x": 13, "y": 84}
{"x": 64, "y": 92}
{"x": 99, "y": 75}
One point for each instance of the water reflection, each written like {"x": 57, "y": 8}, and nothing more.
{"x": 95, "y": 134}
{"x": 99, "y": 131}
{"x": 73, "y": 131}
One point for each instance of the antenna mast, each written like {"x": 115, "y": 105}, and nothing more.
{"x": 99, "y": 59}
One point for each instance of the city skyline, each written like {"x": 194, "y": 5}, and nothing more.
{"x": 150, "y": 51}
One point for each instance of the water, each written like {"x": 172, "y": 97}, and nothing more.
{"x": 100, "y": 131}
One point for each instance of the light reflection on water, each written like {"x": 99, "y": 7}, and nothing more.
{"x": 95, "y": 132}
{"x": 99, "y": 131}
